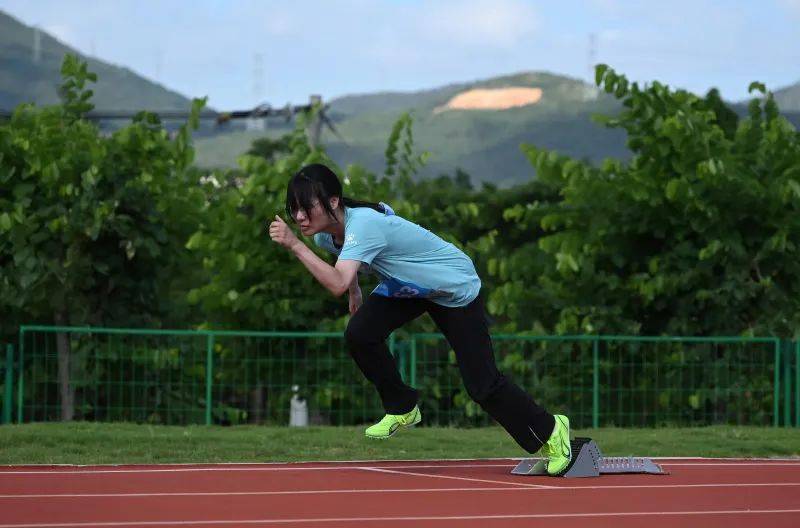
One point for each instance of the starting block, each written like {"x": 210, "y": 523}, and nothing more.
{"x": 587, "y": 461}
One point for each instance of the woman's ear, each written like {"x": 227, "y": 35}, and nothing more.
{"x": 334, "y": 203}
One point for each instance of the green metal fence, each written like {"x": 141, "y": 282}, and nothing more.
{"x": 182, "y": 377}
{"x": 207, "y": 377}
{"x": 621, "y": 380}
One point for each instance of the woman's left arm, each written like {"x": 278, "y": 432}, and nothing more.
{"x": 336, "y": 279}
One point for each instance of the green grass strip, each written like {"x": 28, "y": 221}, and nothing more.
{"x": 97, "y": 443}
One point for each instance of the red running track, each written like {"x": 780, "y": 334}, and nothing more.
{"x": 471, "y": 493}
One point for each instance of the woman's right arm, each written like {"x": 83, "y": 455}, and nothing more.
{"x": 336, "y": 279}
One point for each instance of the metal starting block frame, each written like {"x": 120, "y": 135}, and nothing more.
{"x": 587, "y": 461}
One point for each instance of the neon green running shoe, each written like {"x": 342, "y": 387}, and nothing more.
{"x": 557, "y": 450}
{"x": 392, "y": 422}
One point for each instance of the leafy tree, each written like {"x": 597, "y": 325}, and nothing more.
{"x": 88, "y": 223}
{"x": 698, "y": 234}
{"x": 401, "y": 160}
{"x": 252, "y": 282}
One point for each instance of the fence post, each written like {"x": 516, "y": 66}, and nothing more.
{"x": 412, "y": 363}
{"x": 8, "y": 396}
{"x": 20, "y": 373}
{"x": 209, "y": 374}
{"x": 797, "y": 384}
{"x": 787, "y": 383}
{"x": 595, "y": 383}
{"x": 776, "y": 385}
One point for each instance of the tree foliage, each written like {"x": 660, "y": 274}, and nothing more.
{"x": 90, "y": 224}
{"x": 252, "y": 282}
{"x": 698, "y": 234}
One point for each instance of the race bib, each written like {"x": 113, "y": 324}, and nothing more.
{"x": 403, "y": 290}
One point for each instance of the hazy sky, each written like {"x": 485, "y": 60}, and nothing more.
{"x": 333, "y": 48}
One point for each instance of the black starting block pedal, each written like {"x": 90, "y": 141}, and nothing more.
{"x": 587, "y": 461}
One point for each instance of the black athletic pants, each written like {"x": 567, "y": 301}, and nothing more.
{"x": 467, "y": 331}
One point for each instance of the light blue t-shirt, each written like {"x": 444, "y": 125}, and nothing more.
{"x": 410, "y": 260}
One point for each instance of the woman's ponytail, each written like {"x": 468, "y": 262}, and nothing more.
{"x": 349, "y": 202}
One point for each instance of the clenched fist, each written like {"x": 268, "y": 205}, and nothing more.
{"x": 355, "y": 300}
{"x": 281, "y": 233}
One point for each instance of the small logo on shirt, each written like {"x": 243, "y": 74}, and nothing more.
{"x": 350, "y": 240}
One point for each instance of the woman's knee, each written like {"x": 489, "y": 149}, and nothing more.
{"x": 352, "y": 334}
{"x": 481, "y": 390}
{"x": 357, "y": 334}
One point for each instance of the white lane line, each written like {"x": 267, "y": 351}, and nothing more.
{"x": 662, "y": 486}
{"x": 663, "y": 461}
{"x": 376, "y": 461}
{"x": 730, "y": 459}
{"x": 232, "y": 469}
{"x": 398, "y": 490}
{"x": 357, "y": 462}
{"x": 737, "y": 464}
{"x": 235, "y": 493}
{"x": 469, "y": 479}
{"x": 764, "y": 463}
{"x": 415, "y": 518}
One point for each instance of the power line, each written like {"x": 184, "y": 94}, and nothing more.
{"x": 257, "y": 123}
{"x": 592, "y": 91}
{"x": 262, "y": 111}
{"x": 37, "y": 45}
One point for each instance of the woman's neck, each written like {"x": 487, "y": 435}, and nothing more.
{"x": 337, "y": 228}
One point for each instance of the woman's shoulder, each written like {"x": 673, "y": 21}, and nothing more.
{"x": 364, "y": 216}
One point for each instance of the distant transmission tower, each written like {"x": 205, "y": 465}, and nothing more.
{"x": 314, "y": 128}
{"x": 37, "y": 45}
{"x": 257, "y": 123}
{"x": 159, "y": 63}
{"x": 591, "y": 90}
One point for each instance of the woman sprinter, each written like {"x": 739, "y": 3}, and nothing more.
{"x": 419, "y": 273}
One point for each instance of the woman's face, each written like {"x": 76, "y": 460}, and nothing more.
{"x": 316, "y": 219}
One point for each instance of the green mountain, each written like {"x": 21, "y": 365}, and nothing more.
{"x": 484, "y": 143}
{"x": 23, "y": 78}
{"x": 788, "y": 98}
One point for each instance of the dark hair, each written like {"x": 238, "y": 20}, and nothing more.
{"x": 317, "y": 181}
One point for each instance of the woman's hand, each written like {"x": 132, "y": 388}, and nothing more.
{"x": 355, "y": 299}
{"x": 281, "y": 233}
